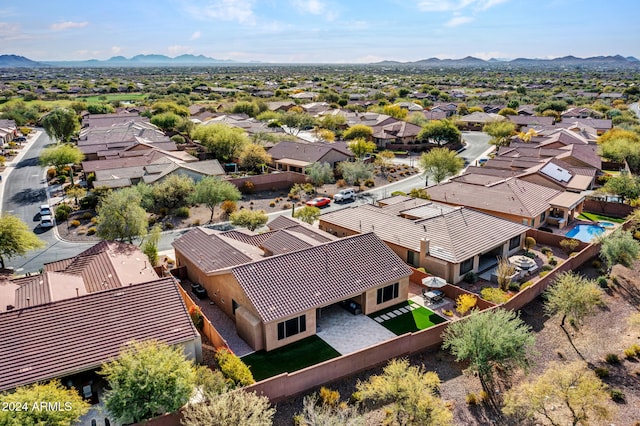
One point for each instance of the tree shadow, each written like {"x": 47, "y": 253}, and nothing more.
{"x": 29, "y": 196}
{"x": 28, "y": 162}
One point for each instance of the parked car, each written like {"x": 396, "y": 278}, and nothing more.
{"x": 20, "y": 139}
{"x": 46, "y": 221}
{"x": 199, "y": 291}
{"x": 319, "y": 202}
{"x": 45, "y": 210}
{"x": 345, "y": 195}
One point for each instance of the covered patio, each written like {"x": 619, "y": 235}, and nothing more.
{"x": 565, "y": 207}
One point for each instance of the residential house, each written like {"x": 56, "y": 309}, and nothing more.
{"x": 8, "y": 131}
{"x": 396, "y": 133}
{"x": 529, "y": 120}
{"x": 511, "y": 198}
{"x": 449, "y": 109}
{"x": 410, "y": 106}
{"x": 600, "y": 124}
{"x": 274, "y": 286}
{"x": 447, "y": 241}
{"x": 477, "y": 120}
{"x": 295, "y": 157}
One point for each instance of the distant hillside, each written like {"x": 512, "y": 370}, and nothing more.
{"x": 602, "y": 61}
{"x": 144, "y": 60}
{"x": 15, "y": 61}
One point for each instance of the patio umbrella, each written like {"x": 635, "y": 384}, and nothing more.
{"x": 434, "y": 282}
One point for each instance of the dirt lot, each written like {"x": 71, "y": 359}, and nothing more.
{"x": 605, "y": 332}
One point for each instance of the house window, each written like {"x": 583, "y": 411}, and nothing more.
{"x": 387, "y": 293}
{"x": 514, "y": 242}
{"x": 413, "y": 258}
{"x": 542, "y": 216}
{"x": 291, "y": 327}
{"x": 466, "y": 266}
{"x": 234, "y": 306}
{"x": 525, "y": 221}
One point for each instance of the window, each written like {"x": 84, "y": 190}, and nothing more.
{"x": 514, "y": 242}
{"x": 466, "y": 266}
{"x": 291, "y": 327}
{"x": 525, "y": 221}
{"x": 387, "y": 293}
{"x": 234, "y": 306}
{"x": 542, "y": 216}
{"x": 413, "y": 258}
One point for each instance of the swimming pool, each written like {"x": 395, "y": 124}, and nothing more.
{"x": 585, "y": 233}
{"x": 606, "y": 224}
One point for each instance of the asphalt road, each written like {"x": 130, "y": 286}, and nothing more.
{"x": 25, "y": 191}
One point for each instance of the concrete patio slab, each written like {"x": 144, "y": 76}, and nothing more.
{"x": 349, "y": 333}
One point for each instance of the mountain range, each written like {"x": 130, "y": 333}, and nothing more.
{"x": 15, "y": 61}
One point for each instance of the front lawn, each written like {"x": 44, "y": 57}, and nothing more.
{"x": 598, "y": 217}
{"x": 415, "y": 320}
{"x": 296, "y": 356}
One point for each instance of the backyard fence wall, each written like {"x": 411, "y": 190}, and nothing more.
{"x": 548, "y": 239}
{"x": 608, "y": 208}
{"x": 276, "y": 181}
{"x": 207, "y": 328}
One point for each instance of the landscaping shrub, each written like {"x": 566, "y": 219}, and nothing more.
{"x": 636, "y": 235}
{"x": 163, "y": 211}
{"x": 573, "y": 254}
{"x": 233, "y": 368}
{"x": 91, "y": 231}
{"x": 196, "y": 222}
{"x": 603, "y": 282}
{"x": 168, "y": 225}
{"x": 630, "y": 353}
{"x": 247, "y": 187}
{"x": 151, "y": 221}
{"x": 569, "y": 245}
{"x": 394, "y": 193}
{"x": 369, "y": 183}
{"x": 529, "y": 254}
{"x": 89, "y": 202}
{"x": 196, "y": 316}
{"x": 472, "y": 399}
{"x": 494, "y": 295}
{"x": 228, "y": 207}
{"x": 74, "y": 223}
{"x": 601, "y": 372}
{"x": 286, "y": 206}
{"x": 514, "y": 286}
{"x": 546, "y": 267}
{"x": 470, "y": 277}
{"x": 543, "y": 274}
{"x": 183, "y": 212}
{"x": 62, "y": 212}
{"x": 484, "y": 396}
{"x": 612, "y": 359}
{"x": 51, "y": 173}
{"x": 553, "y": 261}
{"x": 421, "y": 269}
{"x": 596, "y": 264}
{"x": 546, "y": 251}
{"x": 447, "y": 312}
{"x": 86, "y": 216}
{"x": 529, "y": 243}
{"x": 526, "y": 284}
{"x": 616, "y": 395}
{"x": 94, "y": 220}
{"x": 272, "y": 204}
{"x": 329, "y": 397}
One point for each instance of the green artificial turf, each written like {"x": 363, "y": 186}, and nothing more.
{"x": 296, "y": 356}
{"x": 598, "y": 217}
{"x": 416, "y": 320}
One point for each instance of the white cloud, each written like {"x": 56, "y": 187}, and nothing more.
{"x": 488, "y": 55}
{"x": 314, "y": 7}
{"x": 225, "y": 10}
{"x": 456, "y": 5}
{"x": 60, "y": 26}
{"x": 458, "y": 20}
{"x": 195, "y": 35}
{"x": 177, "y": 50}
{"x": 7, "y": 29}
{"x": 115, "y": 50}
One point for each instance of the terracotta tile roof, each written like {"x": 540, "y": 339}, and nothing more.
{"x": 510, "y": 196}
{"x": 69, "y": 336}
{"x": 282, "y": 241}
{"x": 281, "y": 286}
{"x": 211, "y": 251}
{"x": 307, "y": 152}
{"x": 455, "y": 235}
{"x": 299, "y": 227}
{"x": 248, "y": 237}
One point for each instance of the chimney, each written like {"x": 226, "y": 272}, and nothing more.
{"x": 424, "y": 246}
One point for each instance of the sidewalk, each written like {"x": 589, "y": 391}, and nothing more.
{"x": 4, "y": 175}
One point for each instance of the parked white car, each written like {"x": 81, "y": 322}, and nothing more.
{"x": 344, "y": 195}
{"x": 46, "y": 221}
{"x": 45, "y": 210}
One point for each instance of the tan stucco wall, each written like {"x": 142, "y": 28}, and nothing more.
{"x": 271, "y": 331}
{"x": 249, "y": 327}
{"x": 370, "y": 304}
{"x": 332, "y": 157}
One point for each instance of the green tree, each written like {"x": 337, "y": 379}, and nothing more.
{"x": 120, "y": 216}
{"x": 232, "y": 367}
{"x": 308, "y": 214}
{"x": 440, "y": 163}
{"x": 441, "y": 132}
{"x": 147, "y": 379}
{"x": 244, "y": 107}
{"x": 224, "y": 142}
{"x": 28, "y": 398}
{"x": 150, "y": 245}
{"x": 358, "y": 131}
{"x": 250, "y": 219}
{"x": 76, "y": 192}
{"x": 60, "y": 124}
{"x": 253, "y": 156}
{"x": 574, "y": 297}
{"x": 297, "y": 121}
{"x": 626, "y": 186}
{"x": 356, "y": 171}
{"x": 360, "y": 147}
{"x": 238, "y": 407}
{"x": 333, "y": 122}
{"x": 102, "y": 108}
{"x": 489, "y": 340}
{"x": 169, "y": 106}
{"x": 384, "y": 160}
{"x": 16, "y": 239}
{"x": 500, "y": 132}
{"x": 211, "y": 191}
{"x": 316, "y": 413}
{"x": 619, "y": 247}
{"x": 319, "y": 173}
{"x": 166, "y": 120}
{"x": 173, "y": 191}
{"x": 564, "y": 394}
{"x": 412, "y": 391}
{"x": 60, "y": 155}
{"x": 529, "y": 243}
{"x": 507, "y": 111}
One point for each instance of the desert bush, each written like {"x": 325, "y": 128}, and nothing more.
{"x": 553, "y": 261}
{"x": 183, "y": 212}
{"x": 228, "y": 207}
{"x": 526, "y": 284}
{"x": 369, "y": 183}
{"x": 341, "y": 183}
{"x": 196, "y": 222}
{"x": 168, "y": 225}
{"x": 546, "y": 251}
{"x": 447, "y": 312}
{"x": 543, "y": 274}
{"x": 91, "y": 231}
{"x": 94, "y": 220}
{"x": 601, "y": 372}
{"x": 86, "y": 216}
{"x": 596, "y": 264}
{"x": 74, "y": 223}
{"x": 196, "y": 316}
{"x": 470, "y": 277}
{"x": 616, "y": 395}
{"x": 546, "y": 267}
{"x": 630, "y": 353}
{"x": 472, "y": 399}
{"x": 569, "y": 245}
{"x": 51, "y": 173}
{"x": 233, "y": 368}
{"x": 612, "y": 359}
{"x": 514, "y": 286}
{"x": 247, "y": 187}
{"x": 62, "y": 212}
{"x": 603, "y": 282}
{"x": 272, "y": 204}
{"x": 494, "y": 295}
{"x": 329, "y": 397}
{"x": 286, "y": 206}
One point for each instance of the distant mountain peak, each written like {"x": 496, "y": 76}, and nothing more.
{"x": 16, "y": 61}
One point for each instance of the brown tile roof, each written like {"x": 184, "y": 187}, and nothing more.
{"x": 281, "y": 286}
{"x": 510, "y": 196}
{"x": 307, "y": 152}
{"x": 455, "y": 235}
{"x": 211, "y": 251}
{"x": 299, "y": 227}
{"x": 65, "y": 337}
{"x": 282, "y": 241}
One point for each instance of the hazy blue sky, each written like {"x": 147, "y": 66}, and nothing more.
{"x": 319, "y": 30}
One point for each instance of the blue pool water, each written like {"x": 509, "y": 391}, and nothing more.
{"x": 606, "y": 224}
{"x": 585, "y": 233}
